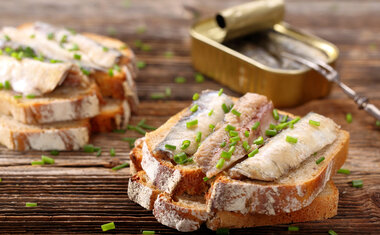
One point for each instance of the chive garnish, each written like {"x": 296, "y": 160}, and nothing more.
{"x": 223, "y": 144}
{"x": 222, "y": 231}
{"x": 123, "y": 47}
{"x": 220, "y": 92}
{"x": 116, "y": 67}
{"x": 275, "y": 114}
{"x": 138, "y": 43}
{"x": 232, "y": 149}
{"x": 225, "y": 108}
{"x": 377, "y": 123}
{"x": 349, "y": 117}
{"x": 246, "y": 146}
{"x": 1, "y": 85}
{"x": 110, "y": 72}
{"x": 344, "y": 171}
{"x": 105, "y": 49}
{"x": 119, "y": 131}
{"x": 314, "y": 123}
{"x": 357, "y": 183}
{"x": 233, "y": 133}
{"x": 211, "y": 126}
{"x": 148, "y": 232}
{"x": 130, "y": 140}
{"x": 88, "y": 148}
{"x": 259, "y": 141}
{"x": 235, "y": 139}
{"x": 141, "y": 29}
{"x": 332, "y": 232}
{"x": 112, "y": 152}
{"x": 30, "y": 96}
{"x": 99, "y": 152}
{"x": 321, "y": 159}
{"x": 185, "y": 144}
{"x": 253, "y": 153}
{"x": 199, "y": 78}
{"x": 198, "y": 137}
{"x": 272, "y": 126}
{"x": 75, "y": 47}
{"x": 31, "y": 204}
{"x": 141, "y": 64}
{"x": 195, "y": 96}
{"x": 168, "y": 91}
{"x": 37, "y": 163}
{"x": 63, "y": 39}
{"x": 180, "y": 80}
{"x": 77, "y": 57}
{"x": 116, "y": 168}
{"x": 211, "y": 112}
{"x": 292, "y": 140}
{"x": 54, "y": 152}
{"x": 170, "y": 147}
{"x": 109, "y": 226}
{"x": 192, "y": 123}
{"x": 232, "y": 143}
{"x": 226, "y": 155}
{"x": 284, "y": 119}
{"x": 205, "y": 178}
{"x": 246, "y": 133}
{"x": 194, "y": 108}
{"x": 270, "y": 132}
{"x": 180, "y": 158}
{"x": 256, "y": 125}
{"x": 293, "y": 228}
{"x": 235, "y": 112}
{"x": 146, "y": 47}
{"x": 230, "y": 128}
{"x": 220, "y": 163}
{"x": 168, "y": 54}
{"x": 17, "y": 96}
{"x": 47, "y": 160}
{"x": 7, "y": 85}
{"x": 157, "y": 95}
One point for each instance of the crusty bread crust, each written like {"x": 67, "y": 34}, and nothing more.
{"x": 324, "y": 206}
{"x": 141, "y": 191}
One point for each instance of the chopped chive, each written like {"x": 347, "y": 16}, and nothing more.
{"x": 55, "y": 61}
{"x": 139, "y": 130}
{"x": 180, "y": 158}
{"x": 246, "y": 146}
{"x": 116, "y": 168}
{"x": 1, "y": 85}
{"x": 112, "y": 152}
{"x": 17, "y": 96}
{"x": 31, "y": 204}
{"x": 314, "y": 123}
{"x": 232, "y": 143}
{"x": 272, "y": 126}
{"x": 321, "y": 159}
{"x": 7, "y": 38}
{"x": 256, "y": 125}
{"x": 259, "y": 141}
{"x": 141, "y": 29}
{"x": 233, "y": 133}
{"x": 30, "y": 96}
{"x": 116, "y": 67}
{"x": 157, "y": 95}
{"x": 138, "y": 43}
{"x": 194, "y": 108}
{"x": 50, "y": 36}
{"x": 220, "y": 163}
{"x": 168, "y": 91}
{"x": 1, "y": 179}
{"x": 37, "y": 163}
{"x": 146, "y": 47}
{"x": 141, "y": 122}
{"x": 235, "y": 112}
{"x": 295, "y": 120}
{"x": 199, "y": 78}
{"x": 211, "y": 112}
{"x": 89, "y": 148}
{"x": 220, "y": 92}
{"x": 96, "y": 149}
{"x": 222, "y": 231}
{"x": 192, "y": 123}
{"x": 85, "y": 71}
{"x": 235, "y": 139}
{"x": 377, "y": 123}
{"x": 141, "y": 64}
{"x": 110, "y": 72}
{"x": 284, "y": 119}
{"x": 148, "y": 232}
{"x": 54, "y": 152}
{"x": 170, "y": 147}
{"x": 293, "y": 228}
{"x": 109, "y": 226}
{"x": 7, "y": 85}
{"x": 168, "y": 54}
{"x": 63, "y": 39}
{"x": 332, "y": 232}
{"x": 211, "y": 126}
{"x": 292, "y": 140}
{"x": 230, "y": 128}
{"x": 99, "y": 152}
{"x": 225, "y": 108}
{"x": 205, "y": 178}
{"x": 226, "y": 155}
{"x": 357, "y": 183}
{"x": 148, "y": 127}
{"x": 275, "y": 114}
{"x": 75, "y": 47}
{"x": 119, "y": 131}
{"x": 179, "y": 80}
{"x": 253, "y": 153}
{"x": 246, "y": 133}
{"x": 77, "y": 57}
{"x": 270, "y": 132}
{"x": 232, "y": 149}
{"x": 223, "y": 144}
{"x": 198, "y": 137}
{"x": 349, "y": 117}
{"x": 185, "y": 144}
{"x": 105, "y": 49}
{"x": 47, "y": 160}
{"x": 195, "y": 96}
{"x": 344, "y": 171}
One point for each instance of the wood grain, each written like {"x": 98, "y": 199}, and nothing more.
{"x": 80, "y": 192}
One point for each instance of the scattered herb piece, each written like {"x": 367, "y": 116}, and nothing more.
{"x": 180, "y": 80}
{"x": 222, "y": 231}
{"x": 54, "y": 152}
{"x": 270, "y": 132}
{"x": 314, "y": 123}
{"x": 168, "y": 91}
{"x": 220, "y": 163}
{"x": 293, "y": 228}
{"x": 284, "y": 119}
{"x": 199, "y": 78}
{"x": 198, "y": 137}
{"x": 225, "y": 108}
{"x": 37, "y": 163}
{"x": 349, "y": 117}
{"x": 30, "y": 96}
{"x": 292, "y": 140}
{"x": 357, "y": 183}
{"x": 321, "y": 159}
{"x": 63, "y": 39}
{"x": 169, "y": 54}
{"x": 332, "y": 232}
{"x": 246, "y": 146}
{"x": 246, "y": 133}
{"x": 226, "y": 155}
{"x": 75, "y": 47}
{"x": 99, "y": 152}
{"x": 220, "y": 92}
{"x": 31, "y": 204}
{"x": 149, "y": 232}
{"x": 47, "y": 160}
{"x": 259, "y": 141}
{"x": 230, "y": 128}
{"x": 105, "y": 49}
{"x": 192, "y": 123}
{"x": 211, "y": 127}
{"x": 205, "y": 178}
{"x": 141, "y": 64}
{"x": 116, "y": 168}
{"x": 256, "y": 125}
{"x": 377, "y": 123}
{"x": 275, "y": 114}
{"x": 235, "y": 112}
{"x": 194, "y": 108}
{"x": 211, "y": 112}
{"x": 253, "y": 153}
{"x": 344, "y": 171}
{"x": 185, "y": 144}
{"x": 17, "y": 96}
{"x": 109, "y": 226}
{"x": 195, "y": 96}
{"x": 77, "y": 57}
{"x": 7, "y": 85}
{"x": 50, "y": 36}
{"x": 88, "y": 148}
{"x": 233, "y": 133}
{"x": 112, "y": 152}
{"x": 223, "y": 144}
{"x": 130, "y": 140}
{"x": 157, "y": 95}
{"x": 170, "y": 147}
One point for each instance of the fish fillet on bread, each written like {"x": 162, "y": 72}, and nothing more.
{"x": 205, "y": 192}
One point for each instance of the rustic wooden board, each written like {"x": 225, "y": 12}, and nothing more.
{"x": 80, "y": 192}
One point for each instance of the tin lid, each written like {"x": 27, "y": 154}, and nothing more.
{"x": 249, "y": 17}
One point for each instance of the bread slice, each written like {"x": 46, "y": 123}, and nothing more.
{"x": 58, "y": 136}
{"x": 141, "y": 191}
{"x": 63, "y": 104}
{"x": 290, "y": 193}
{"x": 135, "y": 156}
{"x": 114, "y": 115}
{"x": 324, "y": 206}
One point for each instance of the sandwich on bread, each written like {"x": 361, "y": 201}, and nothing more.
{"x": 234, "y": 163}
{"x": 55, "y": 82}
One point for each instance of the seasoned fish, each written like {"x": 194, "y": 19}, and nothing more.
{"x": 253, "y": 108}
{"x": 278, "y": 156}
{"x": 61, "y": 44}
{"x": 208, "y": 100}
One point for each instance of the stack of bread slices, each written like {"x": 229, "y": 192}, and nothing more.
{"x": 58, "y": 86}
{"x": 235, "y": 163}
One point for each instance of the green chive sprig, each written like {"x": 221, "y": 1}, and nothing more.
{"x": 116, "y": 168}
{"x": 314, "y": 123}
{"x": 130, "y": 140}
{"x": 148, "y": 232}
{"x": 235, "y": 112}
{"x": 275, "y": 114}
{"x": 253, "y": 153}
{"x": 109, "y": 226}
{"x": 256, "y": 125}
{"x": 47, "y": 160}
{"x": 194, "y": 108}
{"x": 31, "y": 204}
{"x": 349, "y": 117}
{"x": 220, "y": 92}
{"x": 292, "y": 140}
{"x": 293, "y": 228}
{"x": 192, "y": 123}
{"x": 195, "y": 96}
{"x": 344, "y": 171}
{"x": 321, "y": 159}
{"x": 220, "y": 163}
{"x": 270, "y": 133}
{"x": 357, "y": 183}
{"x": 112, "y": 152}
{"x": 180, "y": 80}
{"x": 332, "y": 232}
{"x": 199, "y": 78}
{"x": 198, "y": 137}
{"x": 185, "y": 144}
{"x": 259, "y": 140}
{"x": 170, "y": 147}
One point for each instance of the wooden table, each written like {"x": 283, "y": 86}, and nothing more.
{"x": 80, "y": 193}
